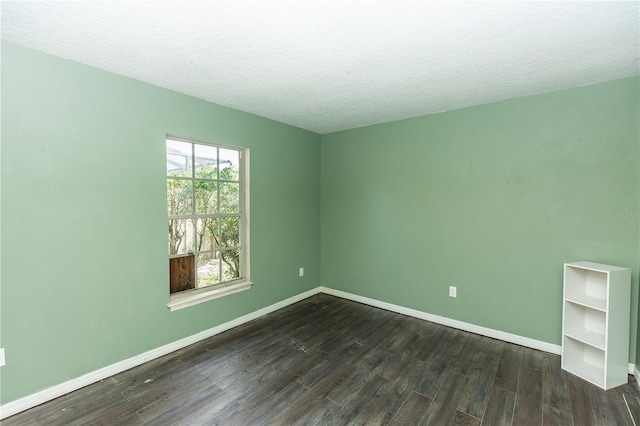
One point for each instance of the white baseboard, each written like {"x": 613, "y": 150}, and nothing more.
{"x": 472, "y": 328}
{"x": 484, "y": 331}
{"x": 48, "y": 394}
{"x": 56, "y": 391}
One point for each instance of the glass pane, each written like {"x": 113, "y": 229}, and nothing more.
{"x": 181, "y": 236}
{"x": 206, "y": 161}
{"x": 179, "y": 196}
{"x": 208, "y": 234}
{"x": 229, "y": 164}
{"x": 229, "y": 231}
{"x": 229, "y": 197}
{"x": 230, "y": 265}
{"x": 206, "y": 192}
{"x": 208, "y": 269}
{"x": 179, "y": 158}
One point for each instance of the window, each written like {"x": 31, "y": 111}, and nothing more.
{"x": 208, "y": 225}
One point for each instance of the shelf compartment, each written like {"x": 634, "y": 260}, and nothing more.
{"x": 586, "y": 286}
{"x": 585, "y": 361}
{"x": 588, "y": 301}
{"x": 585, "y": 324}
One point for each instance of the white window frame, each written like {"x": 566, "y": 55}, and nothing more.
{"x": 188, "y": 298}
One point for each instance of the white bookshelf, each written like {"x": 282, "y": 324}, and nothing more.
{"x": 595, "y": 322}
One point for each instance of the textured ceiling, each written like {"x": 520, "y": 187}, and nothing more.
{"x": 333, "y": 65}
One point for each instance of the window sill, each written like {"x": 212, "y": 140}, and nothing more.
{"x": 179, "y": 301}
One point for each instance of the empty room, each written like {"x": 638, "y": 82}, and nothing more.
{"x": 320, "y": 212}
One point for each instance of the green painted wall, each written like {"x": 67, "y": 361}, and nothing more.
{"x": 84, "y": 262}
{"x": 492, "y": 199}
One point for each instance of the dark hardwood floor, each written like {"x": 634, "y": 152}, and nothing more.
{"x": 330, "y": 361}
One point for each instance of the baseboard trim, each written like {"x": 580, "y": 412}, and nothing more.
{"x": 56, "y": 391}
{"x": 22, "y": 404}
{"x": 461, "y": 325}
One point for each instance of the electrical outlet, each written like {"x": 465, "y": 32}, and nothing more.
{"x": 301, "y": 272}
{"x": 2, "y": 362}
{"x": 453, "y": 291}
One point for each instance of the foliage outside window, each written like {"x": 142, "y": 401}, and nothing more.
{"x": 206, "y": 217}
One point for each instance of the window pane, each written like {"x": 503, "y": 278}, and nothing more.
{"x": 206, "y": 193}
{"x": 230, "y": 264}
{"x": 181, "y": 236}
{"x": 178, "y": 158}
{"x": 179, "y": 196}
{"x": 229, "y": 231}
{"x": 229, "y": 164}
{"x": 229, "y": 197}
{"x": 208, "y": 269}
{"x": 208, "y": 234}
{"x": 206, "y": 162}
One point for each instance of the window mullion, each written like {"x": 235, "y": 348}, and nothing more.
{"x": 241, "y": 208}
{"x": 218, "y": 180}
{"x": 193, "y": 178}
{"x": 219, "y": 252}
{"x": 194, "y": 220}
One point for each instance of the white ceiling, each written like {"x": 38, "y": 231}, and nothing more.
{"x": 333, "y": 65}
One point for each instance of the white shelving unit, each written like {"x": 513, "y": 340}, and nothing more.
{"x": 595, "y": 322}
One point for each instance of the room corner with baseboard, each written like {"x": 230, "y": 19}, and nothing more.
{"x": 444, "y": 180}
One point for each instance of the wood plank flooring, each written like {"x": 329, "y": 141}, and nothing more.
{"x": 330, "y": 361}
